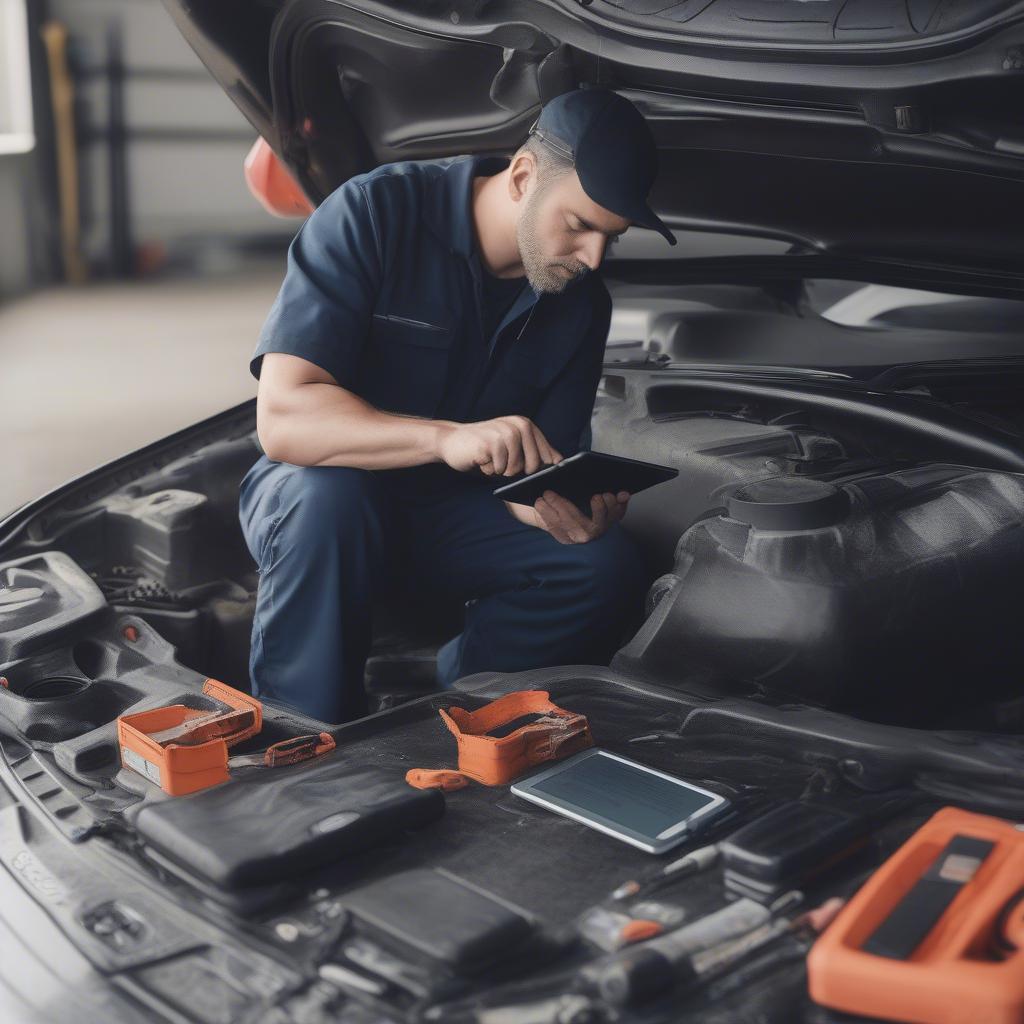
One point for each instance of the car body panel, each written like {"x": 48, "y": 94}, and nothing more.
{"x": 896, "y": 138}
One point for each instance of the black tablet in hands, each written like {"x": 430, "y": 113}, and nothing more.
{"x": 584, "y": 474}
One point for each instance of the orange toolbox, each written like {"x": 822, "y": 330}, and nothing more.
{"x": 936, "y": 935}
{"x": 183, "y": 749}
{"x": 503, "y": 739}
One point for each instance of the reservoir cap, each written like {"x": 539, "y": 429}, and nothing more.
{"x": 789, "y": 503}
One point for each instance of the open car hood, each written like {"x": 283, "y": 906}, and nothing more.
{"x": 865, "y": 128}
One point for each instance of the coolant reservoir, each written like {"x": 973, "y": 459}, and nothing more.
{"x": 789, "y": 504}
{"x": 896, "y": 593}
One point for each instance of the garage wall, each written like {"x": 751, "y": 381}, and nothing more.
{"x": 186, "y": 140}
{"x": 15, "y": 254}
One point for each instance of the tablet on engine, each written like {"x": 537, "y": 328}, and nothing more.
{"x": 627, "y": 800}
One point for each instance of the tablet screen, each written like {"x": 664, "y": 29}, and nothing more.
{"x": 618, "y": 791}
{"x": 584, "y": 474}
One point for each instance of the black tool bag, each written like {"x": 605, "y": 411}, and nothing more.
{"x": 270, "y": 826}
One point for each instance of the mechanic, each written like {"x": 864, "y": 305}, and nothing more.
{"x": 440, "y": 327}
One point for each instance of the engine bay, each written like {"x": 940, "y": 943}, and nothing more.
{"x": 830, "y": 625}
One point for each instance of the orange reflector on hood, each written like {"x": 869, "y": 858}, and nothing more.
{"x": 272, "y": 183}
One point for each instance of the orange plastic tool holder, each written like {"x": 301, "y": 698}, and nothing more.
{"x": 496, "y": 760}
{"x": 951, "y": 977}
{"x": 182, "y": 767}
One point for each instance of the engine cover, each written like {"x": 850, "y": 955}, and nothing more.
{"x": 896, "y": 590}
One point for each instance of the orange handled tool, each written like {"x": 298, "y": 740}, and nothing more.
{"x": 291, "y": 751}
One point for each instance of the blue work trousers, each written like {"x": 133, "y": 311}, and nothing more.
{"x": 328, "y": 541}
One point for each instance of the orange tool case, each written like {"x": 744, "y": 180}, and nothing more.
{"x": 183, "y": 749}
{"x": 494, "y": 748}
{"x": 934, "y": 936}
{"x": 497, "y": 760}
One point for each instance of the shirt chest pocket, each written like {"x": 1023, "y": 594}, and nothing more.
{"x": 405, "y": 364}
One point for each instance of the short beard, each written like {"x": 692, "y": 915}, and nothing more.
{"x": 542, "y": 276}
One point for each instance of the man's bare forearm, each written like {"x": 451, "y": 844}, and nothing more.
{"x": 318, "y": 424}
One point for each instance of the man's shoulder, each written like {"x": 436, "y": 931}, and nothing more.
{"x": 402, "y": 181}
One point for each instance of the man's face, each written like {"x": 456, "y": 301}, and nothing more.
{"x": 563, "y": 233}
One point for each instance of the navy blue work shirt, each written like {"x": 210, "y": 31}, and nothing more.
{"x": 383, "y": 290}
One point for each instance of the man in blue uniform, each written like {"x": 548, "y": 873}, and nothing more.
{"x": 441, "y": 326}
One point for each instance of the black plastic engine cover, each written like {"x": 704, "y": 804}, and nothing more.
{"x": 43, "y": 598}
{"x": 901, "y": 593}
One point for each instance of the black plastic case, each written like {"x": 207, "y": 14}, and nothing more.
{"x": 789, "y": 845}
{"x": 441, "y": 917}
{"x": 276, "y": 823}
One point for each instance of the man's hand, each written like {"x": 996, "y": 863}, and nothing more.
{"x": 568, "y": 525}
{"x": 505, "y": 446}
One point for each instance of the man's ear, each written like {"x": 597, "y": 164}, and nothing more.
{"x": 521, "y": 172}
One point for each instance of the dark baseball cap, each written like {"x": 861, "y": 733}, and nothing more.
{"x": 611, "y": 147}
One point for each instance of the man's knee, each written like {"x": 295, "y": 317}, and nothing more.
{"x": 314, "y": 507}
{"x": 328, "y": 492}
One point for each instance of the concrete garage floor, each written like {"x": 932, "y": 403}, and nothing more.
{"x": 89, "y": 374}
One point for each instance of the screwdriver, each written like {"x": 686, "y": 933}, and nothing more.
{"x": 690, "y": 864}
{"x": 701, "y": 950}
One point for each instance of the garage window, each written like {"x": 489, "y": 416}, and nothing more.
{"x": 16, "y": 131}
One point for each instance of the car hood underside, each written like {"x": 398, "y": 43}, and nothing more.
{"x": 880, "y": 128}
